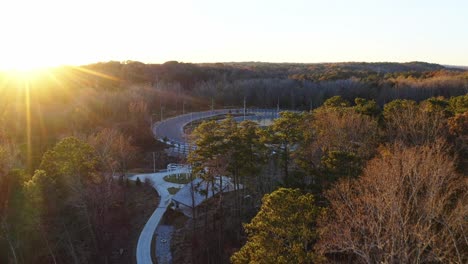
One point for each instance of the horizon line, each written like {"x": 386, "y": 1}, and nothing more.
{"x": 233, "y": 62}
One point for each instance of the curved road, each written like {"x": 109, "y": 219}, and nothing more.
{"x": 171, "y": 129}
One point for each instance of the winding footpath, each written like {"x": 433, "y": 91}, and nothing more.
{"x": 171, "y": 131}
{"x": 143, "y": 254}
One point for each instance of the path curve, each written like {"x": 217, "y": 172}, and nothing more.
{"x": 143, "y": 252}
{"x": 172, "y": 130}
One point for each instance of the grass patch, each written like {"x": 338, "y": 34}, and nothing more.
{"x": 182, "y": 178}
{"x": 173, "y": 190}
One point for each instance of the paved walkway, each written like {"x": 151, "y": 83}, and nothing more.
{"x": 143, "y": 253}
{"x": 171, "y": 130}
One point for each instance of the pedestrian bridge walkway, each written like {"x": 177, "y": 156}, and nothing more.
{"x": 171, "y": 131}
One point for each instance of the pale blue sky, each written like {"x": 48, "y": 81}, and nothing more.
{"x": 77, "y": 32}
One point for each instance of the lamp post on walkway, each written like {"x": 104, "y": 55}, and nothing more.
{"x": 277, "y": 109}
{"x": 212, "y": 105}
{"x": 162, "y": 108}
{"x": 151, "y": 121}
{"x": 244, "y": 108}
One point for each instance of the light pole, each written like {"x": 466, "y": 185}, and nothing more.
{"x": 151, "y": 121}
{"x": 277, "y": 108}
{"x": 244, "y": 108}
{"x": 162, "y": 108}
{"x": 151, "y": 128}
{"x": 212, "y": 105}
{"x": 191, "y": 121}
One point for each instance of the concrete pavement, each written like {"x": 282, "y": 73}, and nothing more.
{"x": 172, "y": 129}
{"x": 143, "y": 253}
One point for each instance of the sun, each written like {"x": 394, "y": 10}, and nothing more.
{"x": 25, "y": 65}
{"x": 21, "y": 71}
{"x": 19, "y": 74}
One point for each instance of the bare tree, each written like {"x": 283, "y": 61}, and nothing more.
{"x": 113, "y": 148}
{"x": 409, "y": 206}
{"x": 346, "y": 130}
{"x": 413, "y": 125}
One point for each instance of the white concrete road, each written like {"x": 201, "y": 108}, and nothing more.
{"x": 143, "y": 253}
{"x": 173, "y": 130}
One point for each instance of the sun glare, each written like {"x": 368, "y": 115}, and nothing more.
{"x": 24, "y": 66}
{"x": 26, "y": 73}
{"x": 18, "y": 71}
{"x": 22, "y": 76}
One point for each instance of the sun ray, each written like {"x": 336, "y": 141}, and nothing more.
{"x": 99, "y": 74}
{"x": 27, "y": 102}
{"x": 54, "y": 78}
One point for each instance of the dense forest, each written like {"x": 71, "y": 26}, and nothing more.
{"x": 346, "y": 183}
{"x": 373, "y": 169}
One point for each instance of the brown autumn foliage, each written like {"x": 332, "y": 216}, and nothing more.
{"x": 346, "y": 131}
{"x": 458, "y": 125}
{"x": 336, "y": 129}
{"x": 458, "y": 129}
{"x": 414, "y": 125}
{"x": 114, "y": 149}
{"x": 409, "y": 206}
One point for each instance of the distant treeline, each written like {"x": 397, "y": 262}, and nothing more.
{"x": 294, "y": 85}
{"x": 128, "y": 95}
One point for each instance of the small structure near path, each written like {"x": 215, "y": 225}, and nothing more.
{"x": 198, "y": 191}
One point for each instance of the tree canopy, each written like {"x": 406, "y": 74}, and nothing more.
{"x": 283, "y": 231}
